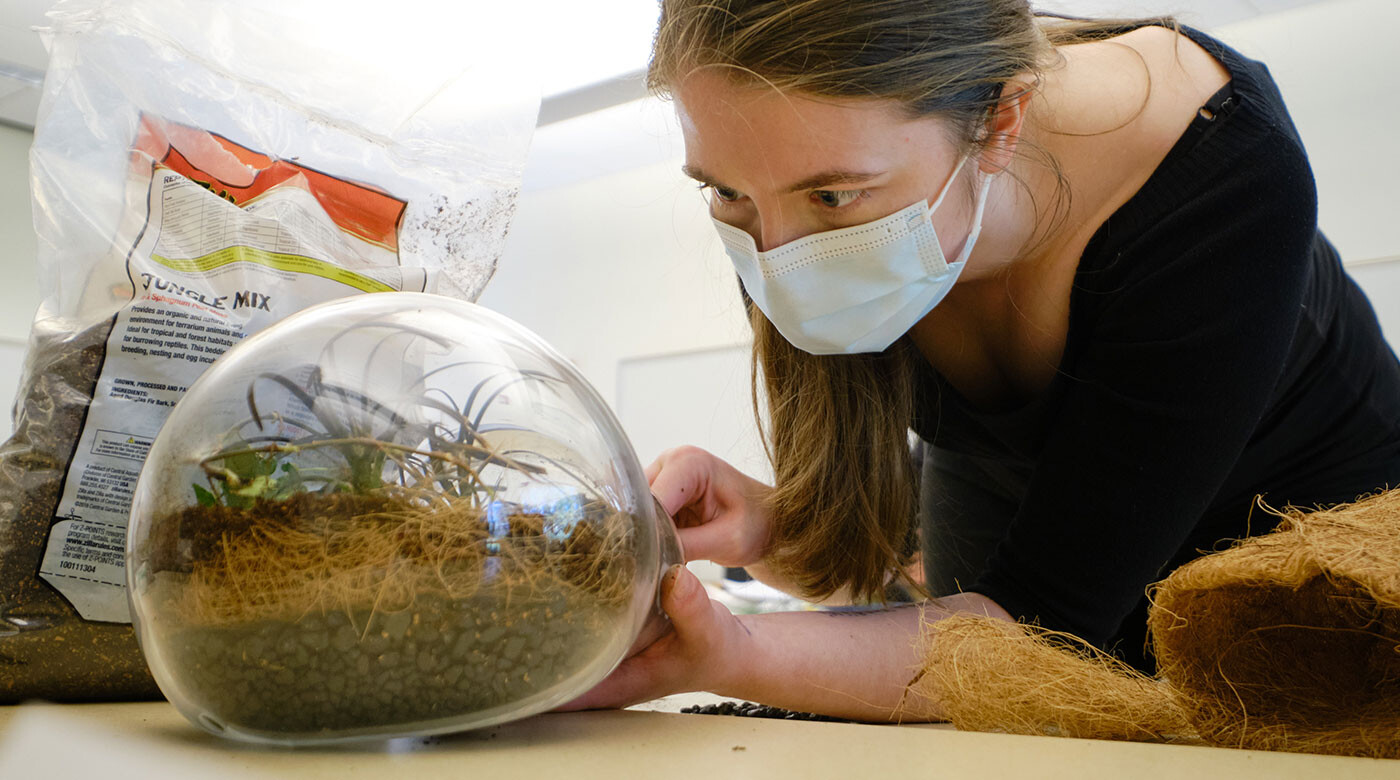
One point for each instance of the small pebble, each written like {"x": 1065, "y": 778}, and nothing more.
{"x": 513, "y": 648}
{"x": 396, "y": 624}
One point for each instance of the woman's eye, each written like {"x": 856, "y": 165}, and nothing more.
{"x": 725, "y": 194}
{"x": 836, "y": 198}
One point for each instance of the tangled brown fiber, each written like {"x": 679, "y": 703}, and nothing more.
{"x": 985, "y": 674}
{"x": 1291, "y": 641}
{"x": 1287, "y": 641}
{"x": 281, "y": 560}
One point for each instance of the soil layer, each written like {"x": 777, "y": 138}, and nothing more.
{"x": 435, "y": 660}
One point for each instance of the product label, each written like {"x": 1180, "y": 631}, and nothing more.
{"x": 213, "y": 264}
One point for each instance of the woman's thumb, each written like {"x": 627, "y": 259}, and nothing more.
{"x": 683, "y": 597}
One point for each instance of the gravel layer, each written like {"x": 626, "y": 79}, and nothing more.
{"x": 438, "y": 659}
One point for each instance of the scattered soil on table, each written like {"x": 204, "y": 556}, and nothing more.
{"x": 349, "y": 611}
{"x": 748, "y": 709}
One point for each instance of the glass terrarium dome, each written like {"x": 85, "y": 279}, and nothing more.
{"x": 387, "y": 515}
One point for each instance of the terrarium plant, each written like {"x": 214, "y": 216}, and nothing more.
{"x": 388, "y": 515}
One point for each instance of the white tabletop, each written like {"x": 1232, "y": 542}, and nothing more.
{"x": 151, "y": 740}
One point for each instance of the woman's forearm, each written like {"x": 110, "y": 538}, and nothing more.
{"x": 855, "y": 665}
{"x": 846, "y": 664}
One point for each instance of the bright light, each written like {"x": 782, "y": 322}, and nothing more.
{"x": 582, "y": 43}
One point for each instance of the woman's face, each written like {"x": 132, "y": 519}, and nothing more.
{"x": 781, "y": 166}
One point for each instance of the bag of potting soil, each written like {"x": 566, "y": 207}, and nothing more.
{"x": 200, "y": 170}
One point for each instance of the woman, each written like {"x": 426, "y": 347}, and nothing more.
{"x": 1079, "y": 260}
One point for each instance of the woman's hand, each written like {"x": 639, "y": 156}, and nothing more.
{"x": 717, "y": 508}
{"x": 719, "y": 517}
{"x": 702, "y": 651}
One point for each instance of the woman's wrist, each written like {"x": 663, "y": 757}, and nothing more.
{"x": 742, "y": 656}
{"x": 817, "y": 661}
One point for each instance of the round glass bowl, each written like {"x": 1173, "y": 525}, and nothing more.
{"x": 394, "y": 514}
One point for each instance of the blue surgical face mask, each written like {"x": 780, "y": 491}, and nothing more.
{"x": 855, "y": 289}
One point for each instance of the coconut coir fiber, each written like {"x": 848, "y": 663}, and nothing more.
{"x": 1288, "y": 641}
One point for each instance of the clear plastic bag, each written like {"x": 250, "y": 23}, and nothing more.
{"x": 201, "y": 170}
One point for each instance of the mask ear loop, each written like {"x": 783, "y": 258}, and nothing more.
{"x": 977, "y": 214}
{"x": 977, "y": 219}
{"x": 948, "y": 185}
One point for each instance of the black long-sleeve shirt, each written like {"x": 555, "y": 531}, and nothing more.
{"x": 1216, "y": 351}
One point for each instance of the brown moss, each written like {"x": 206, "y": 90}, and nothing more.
{"x": 984, "y": 674}
{"x": 1291, "y": 641}
{"x": 280, "y": 560}
{"x": 1288, "y": 641}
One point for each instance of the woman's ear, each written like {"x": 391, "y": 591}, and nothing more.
{"x": 1003, "y": 125}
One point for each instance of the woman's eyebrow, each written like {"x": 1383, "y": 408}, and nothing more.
{"x": 698, "y": 175}
{"x": 828, "y": 178}
{"x": 823, "y": 179}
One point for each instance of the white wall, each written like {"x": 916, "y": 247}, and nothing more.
{"x": 612, "y": 259}
{"x": 622, "y": 266}
{"x": 19, "y": 287}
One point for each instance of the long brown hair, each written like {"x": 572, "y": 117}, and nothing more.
{"x": 845, "y": 494}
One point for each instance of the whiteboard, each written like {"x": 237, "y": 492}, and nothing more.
{"x": 698, "y": 397}
{"x": 1381, "y": 283}
{"x": 11, "y": 364}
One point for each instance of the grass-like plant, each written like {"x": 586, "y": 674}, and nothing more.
{"x": 343, "y": 501}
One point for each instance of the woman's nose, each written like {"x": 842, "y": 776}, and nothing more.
{"x": 773, "y": 229}
{"x": 769, "y": 226}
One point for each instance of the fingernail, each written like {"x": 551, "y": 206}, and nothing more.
{"x": 668, "y": 580}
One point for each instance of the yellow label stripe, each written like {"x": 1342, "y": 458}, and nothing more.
{"x": 296, "y": 264}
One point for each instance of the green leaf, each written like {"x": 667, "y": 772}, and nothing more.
{"x": 232, "y": 499}
{"x": 204, "y": 497}
{"x": 289, "y": 484}
{"x": 257, "y": 488}
{"x": 248, "y": 466}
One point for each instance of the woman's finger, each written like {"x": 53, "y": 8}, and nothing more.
{"x": 655, "y": 467}
{"x": 644, "y": 676}
{"x": 679, "y": 661}
{"x": 678, "y": 485}
{"x": 631, "y": 682}
{"x": 712, "y": 542}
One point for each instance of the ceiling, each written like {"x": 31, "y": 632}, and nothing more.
{"x": 592, "y": 52}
